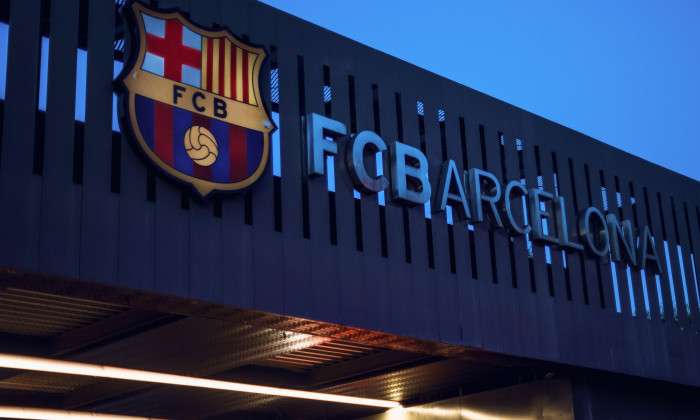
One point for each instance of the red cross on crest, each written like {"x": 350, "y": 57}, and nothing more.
{"x": 174, "y": 53}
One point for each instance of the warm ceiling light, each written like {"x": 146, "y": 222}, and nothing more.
{"x": 12, "y": 361}
{"x": 48, "y": 414}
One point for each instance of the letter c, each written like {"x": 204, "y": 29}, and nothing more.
{"x": 198, "y": 95}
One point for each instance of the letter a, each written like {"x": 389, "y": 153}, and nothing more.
{"x": 451, "y": 191}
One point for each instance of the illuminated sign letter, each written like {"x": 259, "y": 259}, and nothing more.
{"x": 451, "y": 191}
{"x": 485, "y": 189}
{"x": 317, "y": 145}
{"x": 537, "y": 213}
{"x": 409, "y": 175}
{"x": 594, "y": 232}
{"x": 507, "y": 208}
{"x": 562, "y": 228}
{"x": 623, "y": 232}
{"x": 647, "y": 252}
{"x": 370, "y": 143}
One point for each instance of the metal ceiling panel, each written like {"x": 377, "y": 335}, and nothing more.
{"x": 324, "y": 354}
{"x": 185, "y": 337}
{"x": 47, "y": 382}
{"x": 198, "y": 346}
{"x": 40, "y": 314}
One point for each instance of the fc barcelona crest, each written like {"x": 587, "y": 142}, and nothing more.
{"x": 191, "y": 102}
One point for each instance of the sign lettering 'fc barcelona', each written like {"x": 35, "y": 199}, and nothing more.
{"x": 191, "y": 101}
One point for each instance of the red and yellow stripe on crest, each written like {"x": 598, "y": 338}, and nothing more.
{"x": 227, "y": 70}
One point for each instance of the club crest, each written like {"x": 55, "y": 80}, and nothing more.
{"x": 190, "y": 101}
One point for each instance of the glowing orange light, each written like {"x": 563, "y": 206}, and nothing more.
{"x": 73, "y": 368}
{"x": 49, "y": 414}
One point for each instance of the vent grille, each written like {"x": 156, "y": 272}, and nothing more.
{"x": 325, "y": 354}
{"x": 43, "y": 315}
{"x": 48, "y": 382}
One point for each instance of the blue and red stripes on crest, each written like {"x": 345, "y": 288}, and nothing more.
{"x": 163, "y": 128}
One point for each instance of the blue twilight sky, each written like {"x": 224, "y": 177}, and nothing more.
{"x": 624, "y": 72}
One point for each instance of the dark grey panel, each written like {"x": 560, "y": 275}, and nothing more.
{"x": 617, "y": 398}
{"x": 441, "y": 276}
{"x": 376, "y": 267}
{"x": 60, "y": 221}
{"x": 136, "y": 224}
{"x": 400, "y": 307}
{"x": 99, "y": 232}
{"x": 19, "y": 187}
{"x": 268, "y": 280}
{"x": 172, "y": 231}
{"x": 350, "y": 282}
{"x": 296, "y": 250}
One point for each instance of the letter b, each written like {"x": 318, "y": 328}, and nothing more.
{"x": 220, "y": 108}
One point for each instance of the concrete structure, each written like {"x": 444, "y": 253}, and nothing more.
{"x": 297, "y": 283}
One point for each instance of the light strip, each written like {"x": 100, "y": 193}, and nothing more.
{"x": 12, "y": 361}
{"x": 48, "y": 414}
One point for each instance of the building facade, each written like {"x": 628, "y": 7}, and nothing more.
{"x": 409, "y": 241}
